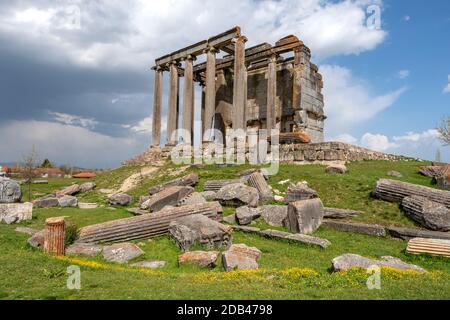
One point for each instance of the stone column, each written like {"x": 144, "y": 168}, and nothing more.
{"x": 157, "y": 97}
{"x": 210, "y": 88}
{"x": 172, "y": 117}
{"x": 271, "y": 94}
{"x": 188, "y": 99}
{"x": 239, "y": 85}
{"x": 54, "y": 235}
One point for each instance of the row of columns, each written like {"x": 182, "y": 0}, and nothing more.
{"x": 209, "y": 93}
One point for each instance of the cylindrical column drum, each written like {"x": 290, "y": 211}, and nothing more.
{"x": 54, "y": 236}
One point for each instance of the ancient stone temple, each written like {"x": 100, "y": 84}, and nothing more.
{"x": 262, "y": 87}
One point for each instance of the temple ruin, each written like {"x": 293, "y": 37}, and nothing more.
{"x": 261, "y": 87}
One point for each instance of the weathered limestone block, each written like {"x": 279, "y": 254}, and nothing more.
{"x": 216, "y": 185}
{"x": 409, "y": 233}
{"x": 348, "y": 261}
{"x": 275, "y": 233}
{"x": 395, "y": 191}
{"x": 230, "y": 218}
{"x": 310, "y": 240}
{"x": 336, "y": 168}
{"x": 46, "y": 202}
{"x": 443, "y": 179}
{"x": 120, "y": 199}
{"x": 37, "y": 239}
{"x": 393, "y": 173}
{"x": 67, "y": 201}
{"x": 121, "y": 252}
{"x": 241, "y": 257}
{"x": 300, "y": 191}
{"x": 88, "y": 186}
{"x": 68, "y": 191}
{"x": 85, "y": 249}
{"x": 190, "y": 179}
{"x": 137, "y": 211}
{"x": 274, "y": 215}
{"x": 87, "y": 205}
{"x": 431, "y": 171}
{"x": 150, "y": 264}
{"x": 335, "y": 213}
{"x": 245, "y": 215}
{"x": 16, "y": 212}
{"x": 238, "y": 194}
{"x": 430, "y": 214}
{"x": 357, "y": 227}
{"x": 198, "y": 229}
{"x": 9, "y": 191}
{"x": 208, "y": 195}
{"x": 258, "y": 181}
{"x": 193, "y": 198}
{"x": 27, "y": 230}
{"x": 168, "y": 197}
{"x": 305, "y": 216}
{"x": 204, "y": 259}
{"x": 436, "y": 247}
{"x": 146, "y": 225}
{"x": 247, "y": 229}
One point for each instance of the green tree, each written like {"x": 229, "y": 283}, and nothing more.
{"x": 46, "y": 164}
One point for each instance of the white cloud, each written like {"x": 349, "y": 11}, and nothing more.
{"x": 71, "y": 119}
{"x": 133, "y": 33}
{"x": 406, "y": 18}
{"x": 403, "y": 74}
{"x": 349, "y": 100}
{"x": 377, "y": 142}
{"x": 345, "y": 137}
{"x": 65, "y": 144}
{"x": 447, "y": 88}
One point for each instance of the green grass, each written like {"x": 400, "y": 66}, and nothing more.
{"x": 287, "y": 270}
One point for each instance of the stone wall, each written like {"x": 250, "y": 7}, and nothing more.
{"x": 329, "y": 152}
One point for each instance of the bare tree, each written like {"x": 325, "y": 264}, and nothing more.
{"x": 29, "y": 163}
{"x": 444, "y": 131}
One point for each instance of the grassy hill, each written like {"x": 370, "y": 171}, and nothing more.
{"x": 287, "y": 270}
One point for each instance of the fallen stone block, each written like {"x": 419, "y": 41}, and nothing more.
{"x": 409, "y": 233}
{"x": 193, "y": 198}
{"x": 16, "y": 212}
{"x": 356, "y": 227}
{"x": 120, "y": 199}
{"x": 430, "y": 171}
{"x": 9, "y": 191}
{"x": 443, "y": 179}
{"x": 393, "y": 173}
{"x": 247, "y": 229}
{"x": 435, "y": 247}
{"x": 204, "y": 259}
{"x": 230, "y": 218}
{"x": 245, "y": 215}
{"x": 188, "y": 180}
{"x": 151, "y": 264}
{"x": 167, "y": 197}
{"x": 274, "y": 215}
{"x": 310, "y": 240}
{"x": 395, "y": 191}
{"x": 88, "y": 186}
{"x": 121, "y": 252}
{"x": 348, "y": 261}
{"x": 274, "y": 233}
{"x": 46, "y": 202}
{"x": 87, "y": 205}
{"x": 305, "y": 216}
{"x": 216, "y": 185}
{"x": 68, "y": 191}
{"x": 208, "y": 195}
{"x": 257, "y": 181}
{"x": 336, "y": 168}
{"x": 335, "y": 213}
{"x": 27, "y": 230}
{"x": 85, "y": 249}
{"x": 145, "y": 226}
{"x": 137, "y": 211}
{"x": 430, "y": 214}
{"x": 299, "y": 192}
{"x": 241, "y": 257}
{"x": 238, "y": 195}
{"x": 37, "y": 239}
{"x": 67, "y": 201}
{"x": 198, "y": 229}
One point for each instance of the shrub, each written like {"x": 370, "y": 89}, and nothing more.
{"x": 71, "y": 233}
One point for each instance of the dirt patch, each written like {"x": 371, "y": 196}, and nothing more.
{"x": 133, "y": 180}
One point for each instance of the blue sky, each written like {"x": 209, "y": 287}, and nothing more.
{"x": 76, "y": 81}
